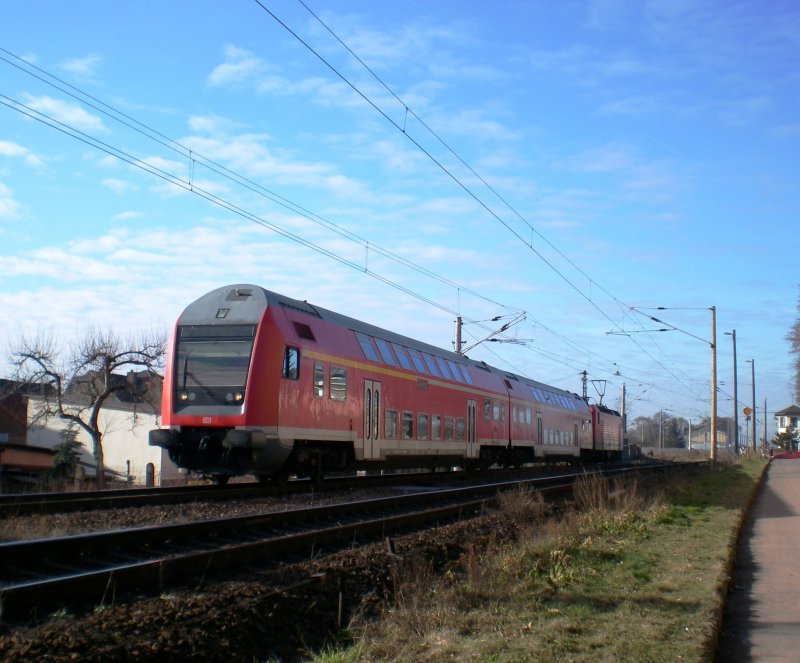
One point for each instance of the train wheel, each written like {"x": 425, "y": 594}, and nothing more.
{"x": 220, "y": 479}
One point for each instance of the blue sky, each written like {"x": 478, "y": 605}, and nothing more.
{"x": 584, "y": 162}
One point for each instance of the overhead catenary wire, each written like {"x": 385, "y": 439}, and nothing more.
{"x": 191, "y": 186}
{"x": 463, "y": 186}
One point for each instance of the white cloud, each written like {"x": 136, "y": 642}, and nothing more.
{"x": 9, "y": 207}
{"x": 9, "y": 149}
{"x": 239, "y": 67}
{"x": 82, "y": 67}
{"x": 118, "y": 186}
{"x": 125, "y": 216}
{"x": 66, "y": 112}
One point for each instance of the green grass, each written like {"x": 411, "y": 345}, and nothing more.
{"x": 634, "y": 577}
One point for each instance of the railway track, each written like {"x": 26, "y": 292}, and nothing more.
{"x": 44, "y": 503}
{"x": 40, "y": 576}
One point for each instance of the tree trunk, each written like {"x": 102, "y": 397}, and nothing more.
{"x": 98, "y": 456}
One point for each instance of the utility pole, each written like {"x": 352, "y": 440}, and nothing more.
{"x": 713, "y": 384}
{"x": 457, "y": 342}
{"x": 765, "y": 423}
{"x": 624, "y": 419}
{"x": 752, "y": 363}
{"x": 732, "y": 334}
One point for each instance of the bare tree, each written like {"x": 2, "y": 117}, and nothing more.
{"x": 794, "y": 341}
{"x": 76, "y": 384}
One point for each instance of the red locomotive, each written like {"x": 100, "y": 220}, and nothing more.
{"x": 258, "y": 383}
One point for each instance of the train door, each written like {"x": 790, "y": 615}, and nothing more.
{"x": 471, "y": 423}
{"x": 372, "y": 412}
{"x": 539, "y": 429}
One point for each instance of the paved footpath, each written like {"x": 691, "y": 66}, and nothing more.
{"x": 762, "y": 616}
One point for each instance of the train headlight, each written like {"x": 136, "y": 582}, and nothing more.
{"x": 238, "y": 397}
{"x": 183, "y": 396}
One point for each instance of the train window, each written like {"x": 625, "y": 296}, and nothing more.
{"x": 495, "y": 410}
{"x": 408, "y": 425}
{"x": 431, "y": 364}
{"x": 338, "y": 383}
{"x": 465, "y": 373}
{"x": 422, "y": 426}
{"x": 366, "y": 346}
{"x": 460, "y": 428}
{"x": 455, "y": 369}
{"x": 443, "y": 368}
{"x": 528, "y": 416}
{"x": 319, "y": 380}
{"x": 416, "y": 357}
{"x": 487, "y": 409}
{"x": 390, "y": 423}
{"x": 448, "y": 428}
{"x": 502, "y": 411}
{"x": 436, "y": 427}
{"x": 291, "y": 364}
{"x": 386, "y": 352}
{"x": 402, "y": 356}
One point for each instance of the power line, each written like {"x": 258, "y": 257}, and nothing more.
{"x": 191, "y": 186}
{"x": 458, "y": 182}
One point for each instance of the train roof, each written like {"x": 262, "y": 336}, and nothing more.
{"x": 206, "y": 308}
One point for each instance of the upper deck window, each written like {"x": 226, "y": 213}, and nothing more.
{"x": 443, "y": 368}
{"x": 386, "y": 352}
{"x": 402, "y": 356}
{"x": 416, "y": 357}
{"x": 366, "y": 346}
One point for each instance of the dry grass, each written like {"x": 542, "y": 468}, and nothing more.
{"x": 627, "y": 575}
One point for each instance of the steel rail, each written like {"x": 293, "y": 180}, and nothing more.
{"x": 18, "y": 504}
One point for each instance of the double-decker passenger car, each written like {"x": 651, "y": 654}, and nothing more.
{"x": 258, "y": 383}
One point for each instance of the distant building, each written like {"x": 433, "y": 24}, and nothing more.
{"x": 124, "y": 422}
{"x": 788, "y": 419}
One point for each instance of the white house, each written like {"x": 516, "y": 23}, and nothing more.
{"x": 126, "y": 451}
{"x": 788, "y": 419}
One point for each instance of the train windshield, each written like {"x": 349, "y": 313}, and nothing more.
{"x": 210, "y": 361}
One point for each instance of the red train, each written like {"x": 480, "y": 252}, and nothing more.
{"x": 258, "y": 383}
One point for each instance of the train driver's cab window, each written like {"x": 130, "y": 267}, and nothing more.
{"x": 319, "y": 380}
{"x": 338, "y": 383}
{"x": 291, "y": 363}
